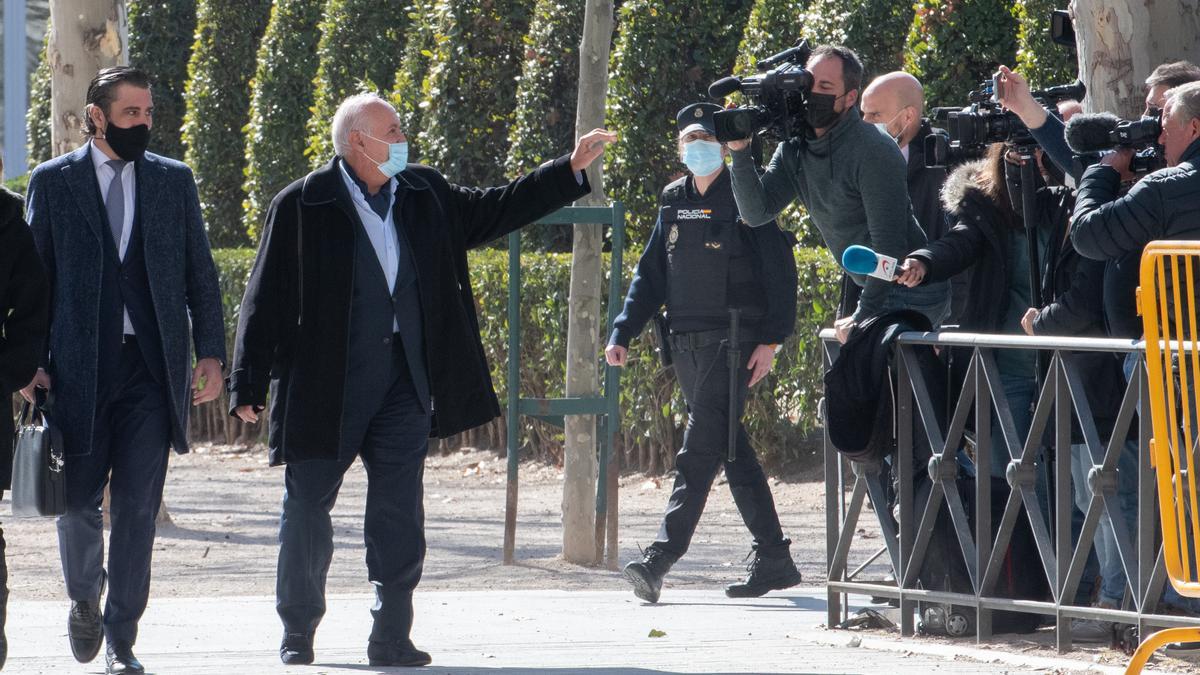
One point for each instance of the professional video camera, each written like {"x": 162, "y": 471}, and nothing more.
{"x": 965, "y": 132}
{"x": 776, "y": 98}
{"x": 1089, "y": 135}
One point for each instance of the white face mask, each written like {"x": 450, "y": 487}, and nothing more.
{"x": 883, "y": 126}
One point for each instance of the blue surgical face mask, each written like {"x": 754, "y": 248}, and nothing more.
{"x": 702, "y": 157}
{"x": 397, "y": 157}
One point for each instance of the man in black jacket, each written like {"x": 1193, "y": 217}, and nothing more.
{"x": 359, "y": 318}
{"x": 1163, "y": 205}
{"x": 895, "y": 102}
{"x": 702, "y": 260}
{"x": 24, "y": 323}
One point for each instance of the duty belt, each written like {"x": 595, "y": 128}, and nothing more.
{"x": 696, "y": 340}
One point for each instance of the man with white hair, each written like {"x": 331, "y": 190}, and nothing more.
{"x": 1163, "y": 205}
{"x": 360, "y": 321}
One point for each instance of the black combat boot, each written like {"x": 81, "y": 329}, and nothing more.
{"x": 771, "y": 569}
{"x": 647, "y": 574}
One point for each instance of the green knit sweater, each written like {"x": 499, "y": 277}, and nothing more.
{"x": 852, "y": 180}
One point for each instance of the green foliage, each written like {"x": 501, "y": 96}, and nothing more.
{"x": 875, "y": 29}
{"x": 544, "y": 122}
{"x": 667, "y": 52}
{"x": 773, "y": 26}
{"x": 547, "y": 90}
{"x": 953, "y": 45}
{"x": 218, "y": 107}
{"x": 781, "y": 411}
{"x": 160, "y": 39}
{"x": 469, "y": 102}
{"x": 19, "y": 185}
{"x": 412, "y": 79}
{"x": 279, "y": 105}
{"x": 360, "y": 49}
{"x": 1039, "y": 59}
{"x": 37, "y": 118}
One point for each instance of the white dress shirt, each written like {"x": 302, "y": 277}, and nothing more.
{"x": 104, "y": 177}
{"x": 382, "y": 232}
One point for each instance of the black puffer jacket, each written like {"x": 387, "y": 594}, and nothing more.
{"x": 1163, "y": 205}
{"x": 979, "y": 240}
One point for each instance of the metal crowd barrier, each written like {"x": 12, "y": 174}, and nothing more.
{"x": 905, "y": 540}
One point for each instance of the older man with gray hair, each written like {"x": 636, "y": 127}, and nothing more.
{"x": 360, "y": 321}
{"x": 1163, "y": 205}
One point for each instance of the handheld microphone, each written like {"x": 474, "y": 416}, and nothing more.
{"x": 724, "y": 87}
{"x": 1091, "y": 133}
{"x": 862, "y": 260}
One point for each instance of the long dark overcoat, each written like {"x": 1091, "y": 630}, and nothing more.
{"x": 64, "y": 212}
{"x": 293, "y": 331}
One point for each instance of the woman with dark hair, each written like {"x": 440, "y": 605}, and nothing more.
{"x": 988, "y": 236}
{"x": 23, "y": 323}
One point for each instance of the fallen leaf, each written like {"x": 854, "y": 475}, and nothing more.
{"x": 656, "y": 633}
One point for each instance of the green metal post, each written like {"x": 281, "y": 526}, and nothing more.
{"x": 513, "y": 415}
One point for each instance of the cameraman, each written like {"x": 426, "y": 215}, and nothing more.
{"x": 1049, "y": 131}
{"x": 1163, "y": 205}
{"x": 851, "y": 178}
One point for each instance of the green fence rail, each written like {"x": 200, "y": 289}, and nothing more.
{"x": 605, "y": 407}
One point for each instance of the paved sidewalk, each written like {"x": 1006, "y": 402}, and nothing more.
{"x": 537, "y": 632}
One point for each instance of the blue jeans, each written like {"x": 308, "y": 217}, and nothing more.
{"x": 1113, "y": 584}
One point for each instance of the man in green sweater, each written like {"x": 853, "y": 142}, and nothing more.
{"x": 851, "y": 177}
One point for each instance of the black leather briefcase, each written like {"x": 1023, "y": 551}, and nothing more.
{"x": 38, "y": 481}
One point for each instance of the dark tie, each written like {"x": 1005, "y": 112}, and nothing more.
{"x": 114, "y": 203}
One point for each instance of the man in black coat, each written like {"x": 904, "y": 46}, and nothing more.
{"x": 24, "y": 312}
{"x": 133, "y": 285}
{"x": 360, "y": 320}
{"x": 896, "y": 102}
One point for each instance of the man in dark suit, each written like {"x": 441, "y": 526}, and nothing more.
{"x": 132, "y": 282}
{"x": 360, "y": 320}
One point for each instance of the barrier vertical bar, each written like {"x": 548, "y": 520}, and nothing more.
{"x": 513, "y": 416}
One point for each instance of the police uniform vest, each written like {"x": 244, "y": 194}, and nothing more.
{"x": 711, "y": 266}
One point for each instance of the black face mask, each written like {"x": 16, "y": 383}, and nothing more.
{"x": 128, "y": 142}
{"x": 820, "y": 111}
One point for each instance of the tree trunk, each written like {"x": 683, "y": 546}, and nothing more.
{"x": 584, "y": 323}
{"x": 85, "y": 36}
{"x": 1122, "y": 41}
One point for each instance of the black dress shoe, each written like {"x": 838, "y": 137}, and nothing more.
{"x": 396, "y": 653}
{"x": 296, "y": 649}
{"x": 121, "y": 661}
{"x": 85, "y": 628}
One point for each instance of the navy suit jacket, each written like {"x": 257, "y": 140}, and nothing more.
{"x": 63, "y": 210}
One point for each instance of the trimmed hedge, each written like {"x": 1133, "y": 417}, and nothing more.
{"x": 954, "y": 45}
{"x": 37, "y": 118}
{"x": 412, "y": 78}
{"x": 280, "y": 102}
{"x": 360, "y": 48}
{"x": 469, "y": 92}
{"x": 875, "y": 29}
{"x": 218, "y": 108}
{"x": 160, "y": 40}
{"x": 1039, "y": 59}
{"x": 782, "y": 409}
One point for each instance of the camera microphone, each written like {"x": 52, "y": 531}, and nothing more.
{"x": 724, "y": 87}
{"x": 1090, "y": 133}
{"x": 859, "y": 259}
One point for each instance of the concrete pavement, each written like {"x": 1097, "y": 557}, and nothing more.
{"x": 536, "y": 632}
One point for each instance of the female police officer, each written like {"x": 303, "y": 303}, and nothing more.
{"x": 702, "y": 261}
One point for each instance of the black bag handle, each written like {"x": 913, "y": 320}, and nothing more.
{"x": 35, "y": 412}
